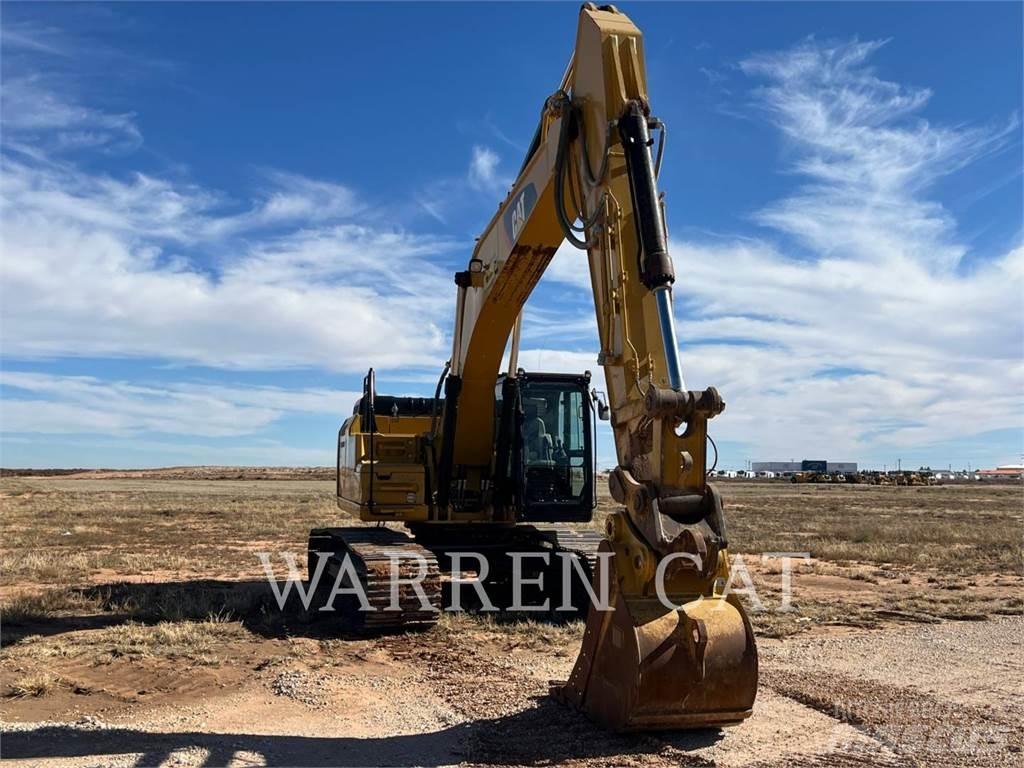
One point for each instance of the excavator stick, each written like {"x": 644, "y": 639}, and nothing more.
{"x": 646, "y": 666}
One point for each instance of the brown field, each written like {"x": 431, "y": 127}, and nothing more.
{"x": 138, "y": 630}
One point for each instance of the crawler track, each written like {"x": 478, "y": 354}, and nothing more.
{"x": 372, "y": 552}
{"x": 583, "y": 544}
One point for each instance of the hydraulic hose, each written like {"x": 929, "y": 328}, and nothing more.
{"x": 569, "y": 230}
{"x": 437, "y": 399}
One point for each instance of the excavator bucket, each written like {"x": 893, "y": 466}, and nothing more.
{"x": 644, "y": 666}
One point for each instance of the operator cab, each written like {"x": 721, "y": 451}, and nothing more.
{"x": 545, "y": 457}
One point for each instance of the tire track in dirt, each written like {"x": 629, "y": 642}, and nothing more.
{"x": 944, "y": 694}
{"x": 921, "y": 729}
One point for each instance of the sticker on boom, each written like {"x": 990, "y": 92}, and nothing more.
{"x": 517, "y": 213}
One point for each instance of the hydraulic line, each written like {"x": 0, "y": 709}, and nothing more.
{"x": 662, "y": 136}
{"x": 656, "y": 270}
{"x": 437, "y": 401}
{"x": 569, "y": 230}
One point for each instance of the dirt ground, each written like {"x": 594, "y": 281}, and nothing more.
{"x": 138, "y": 630}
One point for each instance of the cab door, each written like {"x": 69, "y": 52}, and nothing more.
{"x": 555, "y": 449}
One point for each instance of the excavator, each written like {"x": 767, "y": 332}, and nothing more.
{"x": 503, "y": 461}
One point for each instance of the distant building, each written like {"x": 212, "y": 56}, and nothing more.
{"x": 775, "y": 466}
{"x": 842, "y": 466}
{"x": 807, "y": 465}
{"x": 1004, "y": 471}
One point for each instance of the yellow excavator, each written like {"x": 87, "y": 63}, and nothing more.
{"x": 503, "y": 462}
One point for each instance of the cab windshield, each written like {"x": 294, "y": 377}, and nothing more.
{"x": 554, "y": 434}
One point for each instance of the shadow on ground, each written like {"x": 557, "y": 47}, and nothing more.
{"x": 252, "y": 602}
{"x": 546, "y": 734}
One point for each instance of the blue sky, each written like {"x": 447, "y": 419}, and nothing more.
{"x": 215, "y": 217}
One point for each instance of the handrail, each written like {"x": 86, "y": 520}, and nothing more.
{"x": 370, "y": 424}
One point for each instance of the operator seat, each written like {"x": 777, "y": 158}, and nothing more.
{"x": 539, "y": 446}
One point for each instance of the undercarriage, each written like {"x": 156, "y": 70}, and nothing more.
{"x": 409, "y": 577}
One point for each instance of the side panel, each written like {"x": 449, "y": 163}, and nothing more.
{"x": 393, "y": 485}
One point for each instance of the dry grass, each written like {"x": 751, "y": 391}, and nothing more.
{"x": 956, "y": 529}
{"x": 187, "y": 548}
{"x": 33, "y": 685}
{"x": 195, "y": 641}
{"x": 29, "y": 608}
{"x": 184, "y": 600}
{"x": 66, "y": 531}
{"x": 43, "y": 649}
{"x": 953, "y": 529}
{"x": 142, "y": 615}
{"x": 172, "y": 602}
{"x": 513, "y": 632}
{"x": 875, "y": 596}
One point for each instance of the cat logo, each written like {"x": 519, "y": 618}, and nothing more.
{"x": 519, "y": 211}
{"x": 518, "y": 215}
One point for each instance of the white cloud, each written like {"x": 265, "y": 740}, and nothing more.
{"x": 71, "y": 290}
{"x": 569, "y": 265}
{"x": 483, "y": 169}
{"x": 36, "y": 117}
{"x": 866, "y": 157}
{"x": 45, "y": 403}
{"x": 145, "y": 266}
{"x": 713, "y": 75}
{"x": 143, "y": 206}
{"x": 290, "y": 199}
{"x": 442, "y": 199}
{"x": 553, "y": 360}
{"x": 35, "y": 38}
{"x": 99, "y": 266}
{"x": 42, "y": 112}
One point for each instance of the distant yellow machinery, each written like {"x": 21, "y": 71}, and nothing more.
{"x": 502, "y": 461}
